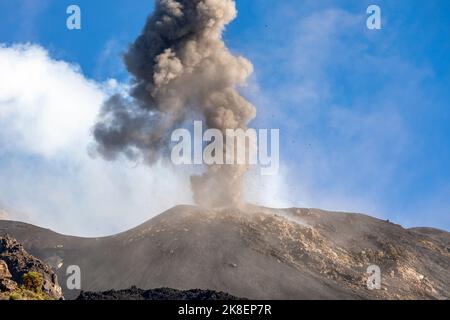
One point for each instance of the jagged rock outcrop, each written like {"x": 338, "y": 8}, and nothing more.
{"x": 6, "y": 284}
{"x": 16, "y": 263}
{"x": 4, "y": 271}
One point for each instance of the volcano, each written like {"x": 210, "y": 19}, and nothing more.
{"x": 255, "y": 253}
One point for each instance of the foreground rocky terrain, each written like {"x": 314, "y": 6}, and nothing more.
{"x": 254, "y": 252}
{"x": 22, "y": 276}
{"x": 156, "y": 294}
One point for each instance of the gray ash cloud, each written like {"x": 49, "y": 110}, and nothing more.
{"x": 180, "y": 68}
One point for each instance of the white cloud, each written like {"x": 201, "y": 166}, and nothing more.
{"x": 3, "y": 215}
{"x": 46, "y": 105}
{"x": 47, "y": 109}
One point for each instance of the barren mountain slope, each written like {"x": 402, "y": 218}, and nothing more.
{"x": 254, "y": 253}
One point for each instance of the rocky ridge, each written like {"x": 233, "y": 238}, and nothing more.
{"x": 21, "y": 273}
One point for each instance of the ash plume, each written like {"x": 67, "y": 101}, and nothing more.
{"x": 180, "y": 68}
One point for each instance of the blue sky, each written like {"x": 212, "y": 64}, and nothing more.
{"x": 364, "y": 115}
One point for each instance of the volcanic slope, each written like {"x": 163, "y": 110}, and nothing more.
{"x": 255, "y": 253}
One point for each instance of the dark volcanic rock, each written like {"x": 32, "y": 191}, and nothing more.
{"x": 156, "y": 294}
{"x": 15, "y": 262}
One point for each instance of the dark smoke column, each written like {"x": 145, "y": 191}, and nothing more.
{"x": 180, "y": 67}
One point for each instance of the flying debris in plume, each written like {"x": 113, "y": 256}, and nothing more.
{"x": 181, "y": 68}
